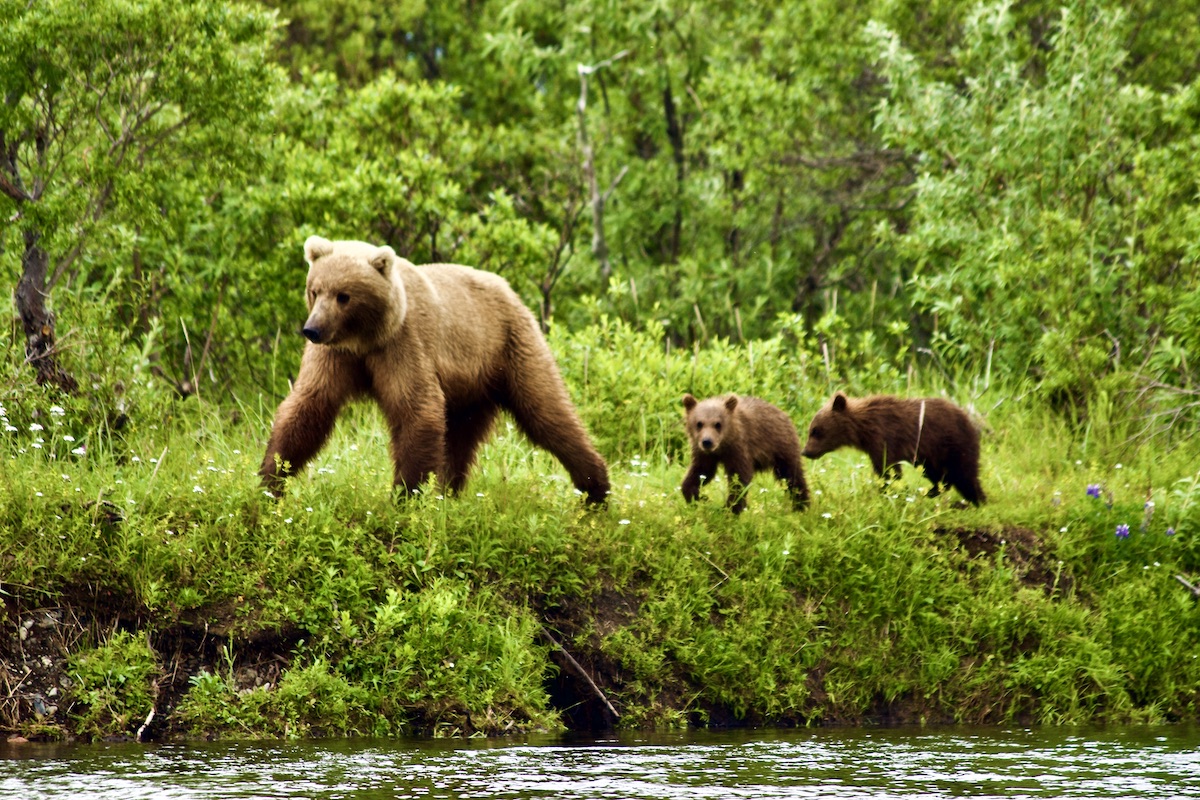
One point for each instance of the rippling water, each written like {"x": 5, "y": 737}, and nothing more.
{"x": 879, "y": 763}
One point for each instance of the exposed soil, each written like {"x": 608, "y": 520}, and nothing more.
{"x": 1036, "y": 565}
{"x": 586, "y": 676}
{"x": 38, "y": 638}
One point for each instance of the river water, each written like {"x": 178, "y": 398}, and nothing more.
{"x": 1124, "y": 762}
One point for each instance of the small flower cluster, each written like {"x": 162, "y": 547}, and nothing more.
{"x": 1095, "y": 490}
{"x": 37, "y": 428}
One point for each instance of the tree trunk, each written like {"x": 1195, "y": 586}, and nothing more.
{"x": 675, "y": 135}
{"x": 40, "y": 350}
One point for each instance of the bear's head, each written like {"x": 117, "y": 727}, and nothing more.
{"x": 355, "y": 295}
{"x": 710, "y": 422}
{"x": 832, "y": 427}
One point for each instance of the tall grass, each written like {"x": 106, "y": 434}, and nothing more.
{"x": 427, "y": 614}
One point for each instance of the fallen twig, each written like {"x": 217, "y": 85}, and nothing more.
{"x": 1193, "y": 588}
{"x": 575, "y": 667}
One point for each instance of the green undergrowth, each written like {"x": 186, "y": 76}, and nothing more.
{"x": 377, "y": 617}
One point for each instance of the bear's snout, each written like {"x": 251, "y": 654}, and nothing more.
{"x": 312, "y": 334}
{"x": 707, "y": 444}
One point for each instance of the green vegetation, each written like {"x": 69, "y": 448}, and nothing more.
{"x": 337, "y": 610}
{"x": 996, "y": 202}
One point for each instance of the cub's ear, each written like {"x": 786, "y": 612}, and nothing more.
{"x": 383, "y": 258}
{"x": 731, "y": 402}
{"x": 315, "y": 247}
{"x": 839, "y": 402}
{"x": 689, "y": 402}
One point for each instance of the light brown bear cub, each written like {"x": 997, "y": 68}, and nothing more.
{"x": 931, "y": 433}
{"x": 747, "y": 435}
{"x": 442, "y": 349}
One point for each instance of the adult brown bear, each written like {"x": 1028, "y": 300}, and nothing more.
{"x": 442, "y": 349}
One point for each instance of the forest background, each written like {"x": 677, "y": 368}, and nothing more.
{"x": 880, "y": 196}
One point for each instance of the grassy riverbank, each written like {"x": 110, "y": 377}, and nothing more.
{"x": 142, "y": 569}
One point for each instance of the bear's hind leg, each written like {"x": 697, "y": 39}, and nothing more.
{"x": 937, "y": 477}
{"x": 791, "y": 472}
{"x": 545, "y": 413}
{"x": 968, "y": 486}
{"x": 466, "y": 429}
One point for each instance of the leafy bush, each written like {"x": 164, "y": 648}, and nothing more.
{"x": 1036, "y": 238}
{"x": 114, "y": 684}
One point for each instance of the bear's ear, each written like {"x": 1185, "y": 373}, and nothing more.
{"x": 382, "y": 259}
{"x": 731, "y": 402}
{"x": 689, "y": 402}
{"x": 839, "y": 402}
{"x": 315, "y": 247}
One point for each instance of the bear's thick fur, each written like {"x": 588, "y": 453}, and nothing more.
{"x": 747, "y": 435}
{"x": 927, "y": 432}
{"x": 442, "y": 349}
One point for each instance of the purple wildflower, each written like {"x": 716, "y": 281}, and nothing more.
{"x": 1093, "y": 490}
{"x": 1170, "y": 531}
{"x": 1122, "y": 531}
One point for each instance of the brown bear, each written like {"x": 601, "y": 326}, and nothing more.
{"x": 442, "y": 349}
{"x": 927, "y": 432}
{"x": 747, "y": 435}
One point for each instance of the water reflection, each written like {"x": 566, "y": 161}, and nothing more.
{"x": 842, "y": 764}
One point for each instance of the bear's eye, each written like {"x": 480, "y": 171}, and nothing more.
{"x": 717, "y": 425}
{"x": 815, "y": 433}
{"x": 699, "y": 426}
{"x": 343, "y": 298}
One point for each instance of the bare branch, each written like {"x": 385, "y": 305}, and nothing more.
{"x": 12, "y": 190}
{"x": 599, "y": 244}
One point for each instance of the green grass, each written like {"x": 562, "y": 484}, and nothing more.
{"x": 426, "y": 615}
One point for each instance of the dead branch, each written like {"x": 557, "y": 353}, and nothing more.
{"x": 1193, "y": 588}
{"x": 577, "y": 669}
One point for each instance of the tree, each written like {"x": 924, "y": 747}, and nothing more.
{"x": 1048, "y": 207}
{"x": 104, "y": 103}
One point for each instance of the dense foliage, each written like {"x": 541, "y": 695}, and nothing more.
{"x": 152, "y": 556}
{"x": 956, "y": 184}
{"x": 997, "y": 201}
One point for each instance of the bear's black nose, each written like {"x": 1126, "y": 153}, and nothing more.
{"x": 707, "y": 444}
{"x": 312, "y": 334}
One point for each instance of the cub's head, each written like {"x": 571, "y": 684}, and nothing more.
{"x": 355, "y": 296}
{"x": 830, "y": 428}
{"x": 709, "y": 422}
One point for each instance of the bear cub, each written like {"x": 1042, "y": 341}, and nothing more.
{"x": 931, "y": 433}
{"x": 747, "y": 436}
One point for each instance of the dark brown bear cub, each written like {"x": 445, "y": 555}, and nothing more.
{"x": 747, "y": 435}
{"x": 931, "y": 433}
